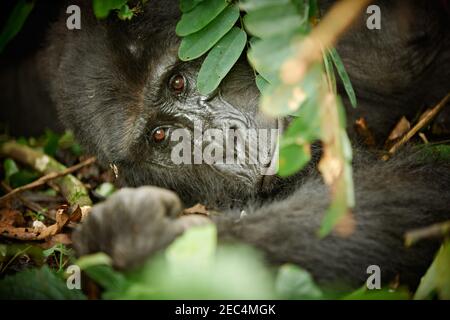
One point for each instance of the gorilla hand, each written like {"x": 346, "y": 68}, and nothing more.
{"x": 132, "y": 224}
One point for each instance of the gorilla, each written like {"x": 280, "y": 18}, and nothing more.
{"x": 121, "y": 88}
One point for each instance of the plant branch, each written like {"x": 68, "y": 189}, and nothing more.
{"x": 71, "y": 188}
{"x": 424, "y": 120}
{"x": 439, "y": 230}
{"x": 338, "y": 19}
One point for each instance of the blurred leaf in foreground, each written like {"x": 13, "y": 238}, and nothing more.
{"x": 191, "y": 268}
{"x": 295, "y": 283}
{"x": 382, "y": 294}
{"x": 106, "y": 189}
{"x": 37, "y": 284}
{"x": 437, "y": 278}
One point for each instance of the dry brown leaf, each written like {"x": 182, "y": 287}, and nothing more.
{"x": 400, "y": 129}
{"x": 362, "y": 129}
{"x": 76, "y": 214}
{"x": 11, "y": 232}
{"x": 62, "y": 218}
{"x": 11, "y": 217}
{"x": 85, "y": 212}
{"x": 63, "y": 238}
{"x": 8, "y": 230}
{"x": 197, "y": 209}
{"x": 331, "y": 167}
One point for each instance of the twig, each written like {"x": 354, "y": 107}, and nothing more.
{"x": 438, "y": 230}
{"x": 29, "y": 204}
{"x": 36, "y": 207}
{"x": 48, "y": 177}
{"x": 425, "y": 119}
{"x": 72, "y": 189}
{"x": 338, "y": 19}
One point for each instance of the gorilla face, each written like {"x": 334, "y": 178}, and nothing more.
{"x": 122, "y": 89}
{"x": 132, "y": 97}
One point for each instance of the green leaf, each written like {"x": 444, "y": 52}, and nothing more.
{"x": 437, "y": 278}
{"x": 438, "y": 151}
{"x": 383, "y": 294}
{"x": 266, "y": 56}
{"x": 23, "y": 177}
{"x": 313, "y": 9}
{"x": 196, "y": 248}
{"x": 37, "y": 284}
{"x": 220, "y": 60}
{"x": 15, "y": 22}
{"x": 98, "y": 268}
{"x": 188, "y": 5}
{"x": 250, "y": 5}
{"x": 105, "y": 189}
{"x": 343, "y": 201}
{"x": 329, "y": 71}
{"x": 10, "y": 167}
{"x": 103, "y": 7}
{"x": 295, "y": 283}
{"x": 92, "y": 260}
{"x": 274, "y": 20}
{"x": 51, "y": 143}
{"x": 282, "y": 100}
{"x": 18, "y": 251}
{"x": 343, "y": 75}
{"x": 335, "y": 212}
{"x": 293, "y": 157}
{"x": 125, "y": 13}
{"x": 60, "y": 248}
{"x": 305, "y": 128}
{"x": 235, "y": 272}
{"x": 261, "y": 83}
{"x": 200, "y": 17}
{"x": 67, "y": 141}
{"x": 193, "y": 268}
{"x": 196, "y": 44}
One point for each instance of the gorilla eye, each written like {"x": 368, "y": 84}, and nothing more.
{"x": 177, "y": 83}
{"x": 159, "y": 135}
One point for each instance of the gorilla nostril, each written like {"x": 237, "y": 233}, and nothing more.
{"x": 233, "y": 125}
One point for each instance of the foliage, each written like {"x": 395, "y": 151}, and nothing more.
{"x": 16, "y": 177}
{"x": 193, "y": 267}
{"x": 61, "y": 254}
{"x": 15, "y": 22}
{"x": 276, "y": 31}
{"x": 102, "y": 8}
{"x": 37, "y": 284}
{"x": 437, "y": 279}
{"x": 271, "y": 33}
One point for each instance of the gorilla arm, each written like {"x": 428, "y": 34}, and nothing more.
{"x": 391, "y": 198}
